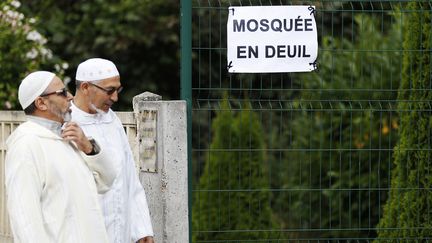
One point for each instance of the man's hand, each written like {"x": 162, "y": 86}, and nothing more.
{"x": 72, "y": 132}
{"x": 148, "y": 239}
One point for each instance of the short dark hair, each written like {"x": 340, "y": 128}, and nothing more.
{"x": 30, "y": 109}
{"x": 78, "y": 84}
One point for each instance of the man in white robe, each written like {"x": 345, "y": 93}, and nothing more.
{"x": 125, "y": 208}
{"x": 54, "y": 172}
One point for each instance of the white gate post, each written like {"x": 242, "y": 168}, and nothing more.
{"x": 161, "y": 154}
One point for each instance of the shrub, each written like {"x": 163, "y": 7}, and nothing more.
{"x": 407, "y": 213}
{"x": 23, "y": 50}
{"x": 232, "y": 201}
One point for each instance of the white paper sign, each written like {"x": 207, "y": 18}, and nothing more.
{"x": 271, "y": 39}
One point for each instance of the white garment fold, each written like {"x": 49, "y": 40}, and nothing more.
{"x": 51, "y": 191}
{"x": 125, "y": 208}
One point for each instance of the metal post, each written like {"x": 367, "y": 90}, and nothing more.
{"x": 186, "y": 87}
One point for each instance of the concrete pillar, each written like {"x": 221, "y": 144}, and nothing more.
{"x": 161, "y": 155}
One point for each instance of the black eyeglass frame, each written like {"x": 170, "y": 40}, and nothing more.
{"x": 108, "y": 91}
{"x": 63, "y": 92}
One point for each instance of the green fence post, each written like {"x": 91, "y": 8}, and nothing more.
{"x": 186, "y": 87}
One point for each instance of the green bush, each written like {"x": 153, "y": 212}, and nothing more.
{"x": 140, "y": 36}
{"x": 232, "y": 200}
{"x": 22, "y": 51}
{"x": 407, "y": 213}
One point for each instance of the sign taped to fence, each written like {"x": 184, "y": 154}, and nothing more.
{"x": 271, "y": 39}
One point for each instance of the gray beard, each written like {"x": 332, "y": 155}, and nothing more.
{"x": 66, "y": 116}
{"x": 98, "y": 111}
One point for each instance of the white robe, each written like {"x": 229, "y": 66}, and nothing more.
{"x": 51, "y": 192}
{"x": 125, "y": 208}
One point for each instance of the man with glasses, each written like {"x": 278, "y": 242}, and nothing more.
{"x": 53, "y": 171}
{"x": 125, "y": 206}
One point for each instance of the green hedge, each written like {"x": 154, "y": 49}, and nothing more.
{"x": 231, "y": 201}
{"x": 407, "y": 213}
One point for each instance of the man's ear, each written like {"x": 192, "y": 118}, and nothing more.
{"x": 40, "y": 104}
{"x": 84, "y": 86}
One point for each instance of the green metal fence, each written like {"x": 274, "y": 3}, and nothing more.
{"x": 297, "y": 157}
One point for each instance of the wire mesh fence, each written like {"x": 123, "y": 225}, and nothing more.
{"x": 303, "y": 157}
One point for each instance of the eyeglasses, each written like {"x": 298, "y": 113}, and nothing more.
{"x": 63, "y": 92}
{"x": 109, "y": 91}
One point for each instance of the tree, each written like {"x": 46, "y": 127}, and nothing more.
{"x": 407, "y": 213}
{"x": 231, "y": 200}
{"x": 139, "y": 36}
{"x": 23, "y": 50}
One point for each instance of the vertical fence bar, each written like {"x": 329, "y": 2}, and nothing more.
{"x": 186, "y": 87}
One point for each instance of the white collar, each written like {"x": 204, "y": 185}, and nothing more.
{"x": 51, "y": 125}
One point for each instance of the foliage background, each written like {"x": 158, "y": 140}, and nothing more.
{"x": 329, "y": 135}
{"x": 330, "y": 132}
{"x": 234, "y": 177}
{"x": 141, "y": 37}
{"x": 408, "y": 208}
{"x": 340, "y": 142}
{"x": 22, "y": 49}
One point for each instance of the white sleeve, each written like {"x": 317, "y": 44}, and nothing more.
{"x": 104, "y": 168}
{"x": 24, "y": 188}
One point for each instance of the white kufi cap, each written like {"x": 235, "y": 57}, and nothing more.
{"x": 32, "y": 86}
{"x": 96, "y": 69}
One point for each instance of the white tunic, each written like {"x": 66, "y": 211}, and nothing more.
{"x": 51, "y": 192}
{"x": 125, "y": 208}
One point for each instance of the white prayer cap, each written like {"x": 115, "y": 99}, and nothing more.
{"x": 32, "y": 86}
{"x": 95, "y": 69}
